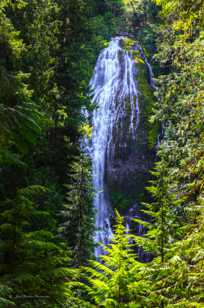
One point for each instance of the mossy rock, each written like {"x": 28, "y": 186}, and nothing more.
{"x": 147, "y": 100}
{"x": 129, "y": 173}
{"x": 128, "y": 43}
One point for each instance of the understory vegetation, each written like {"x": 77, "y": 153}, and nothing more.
{"x": 48, "y": 50}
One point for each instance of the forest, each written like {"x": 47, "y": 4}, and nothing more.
{"x": 102, "y": 153}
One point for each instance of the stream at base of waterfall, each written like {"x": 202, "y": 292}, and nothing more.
{"x": 114, "y": 82}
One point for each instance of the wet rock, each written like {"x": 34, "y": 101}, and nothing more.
{"x": 123, "y": 139}
{"x": 130, "y": 157}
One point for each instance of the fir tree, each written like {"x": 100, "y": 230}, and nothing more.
{"x": 77, "y": 214}
{"x": 32, "y": 263}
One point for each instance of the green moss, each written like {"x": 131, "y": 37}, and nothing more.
{"x": 153, "y": 135}
{"x": 138, "y": 60}
{"x": 146, "y": 104}
{"x": 128, "y": 43}
{"x": 146, "y": 94}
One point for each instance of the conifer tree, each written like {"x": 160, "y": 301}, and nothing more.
{"x": 77, "y": 214}
{"x": 32, "y": 262}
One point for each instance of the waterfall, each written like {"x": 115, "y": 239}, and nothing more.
{"x": 151, "y": 74}
{"x": 115, "y": 95}
{"x": 113, "y": 81}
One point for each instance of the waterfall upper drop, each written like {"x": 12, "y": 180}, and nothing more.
{"x": 116, "y": 121}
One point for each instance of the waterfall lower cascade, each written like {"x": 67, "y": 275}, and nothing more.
{"x": 116, "y": 96}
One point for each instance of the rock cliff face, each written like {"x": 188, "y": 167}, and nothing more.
{"x": 123, "y": 139}
{"x": 131, "y": 154}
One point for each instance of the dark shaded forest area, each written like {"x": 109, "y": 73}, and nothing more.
{"x": 48, "y": 50}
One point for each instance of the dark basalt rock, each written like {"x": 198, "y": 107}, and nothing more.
{"x": 130, "y": 159}
{"x": 125, "y": 34}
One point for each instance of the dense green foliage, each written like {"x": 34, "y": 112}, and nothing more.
{"x": 174, "y": 277}
{"x": 77, "y": 214}
{"x": 47, "y": 53}
{"x": 119, "y": 280}
{"x": 180, "y": 110}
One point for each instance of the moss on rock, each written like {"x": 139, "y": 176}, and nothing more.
{"x": 128, "y": 174}
{"x": 128, "y": 43}
{"x": 146, "y": 99}
{"x": 146, "y": 96}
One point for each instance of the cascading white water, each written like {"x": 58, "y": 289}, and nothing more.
{"x": 112, "y": 85}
